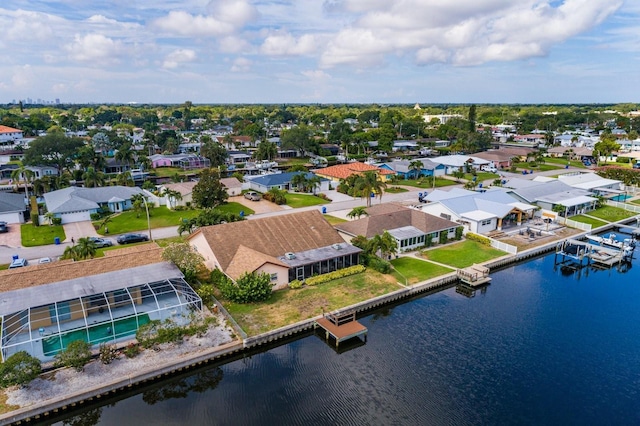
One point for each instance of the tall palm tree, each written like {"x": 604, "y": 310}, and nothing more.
{"x": 416, "y": 166}
{"x": 125, "y": 154}
{"x": 125, "y": 179}
{"x": 299, "y": 181}
{"x": 368, "y": 183}
{"x": 92, "y": 178}
{"x": 314, "y": 182}
{"x": 85, "y": 248}
{"x": 172, "y": 196}
{"x": 24, "y": 174}
{"x": 357, "y": 212}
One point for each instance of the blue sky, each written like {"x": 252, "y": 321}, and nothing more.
{"x": 320, "y": 51}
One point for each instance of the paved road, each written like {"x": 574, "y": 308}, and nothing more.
{"x": 53, "y": 251}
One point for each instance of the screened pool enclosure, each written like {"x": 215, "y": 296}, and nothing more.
{"x": 109, "y": 315}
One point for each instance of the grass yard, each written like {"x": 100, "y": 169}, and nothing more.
{"x": 415, "y": 270}
{"x": 595, "y": 223}
{"x": 333, "y": 220}
{"x": 290, "y": 306}
{"x": 235, "y": 208}
{"x": 545, "y": 167}
{"x": 611, "y": 214}
{"x": 395, "y": 190}
{"x": 563, "y": 162}
{"x": 171, "y": 171}
{"x": 43, "y": 235}
{"x": 481, "y": 176}
{"x": 462, "y": 254}
{"x": 426, "y": 183}
{"x": 160, "y": 218}
{"x": 296, "y": 200}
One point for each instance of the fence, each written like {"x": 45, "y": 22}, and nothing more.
{"x": 629, "y": 207}
{"x": 574, "y": 224}
{"x": 503, "y": 246}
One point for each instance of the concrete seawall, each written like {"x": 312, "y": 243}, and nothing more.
{"x": 56, "y": 406}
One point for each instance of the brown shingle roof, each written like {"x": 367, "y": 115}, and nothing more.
{"x": 272, "y": 236}
{"x": 184, "y": 188}
{"x": 247, "y": 260}
{"x": 388, "y": 216}
{"x": 130, "y": 257}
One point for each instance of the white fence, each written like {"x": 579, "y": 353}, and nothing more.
{"x": 629, "y": 207}
{"x": 574, "y": 224}
{"x": 503, "y": 246}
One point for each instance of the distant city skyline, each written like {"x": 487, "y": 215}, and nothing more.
{"x": 315, "y": 51}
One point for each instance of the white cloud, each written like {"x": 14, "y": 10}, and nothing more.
{"x": 177, "y": 57}
{"x": 315, "y": 74}
{"x": 233, "y": 44}
{"x": 285, "y": 44}
{"x": 95, "y": 49}
{"x": 241, "y": 65}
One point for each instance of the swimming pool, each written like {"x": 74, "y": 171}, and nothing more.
{"x": 621, "y": 197}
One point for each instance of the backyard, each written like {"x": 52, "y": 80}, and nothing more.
{"x": 409, "y": 270}
{"x": 290, "y": 306}
{"x": 296, "y": 200}
{"x": 462, "y": 254}
{"x": 611, "y": 214}
{"x": 425, "y": 183}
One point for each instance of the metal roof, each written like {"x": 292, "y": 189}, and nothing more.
{"x": 317, "y": 255}
{"x": 405, "y": 232}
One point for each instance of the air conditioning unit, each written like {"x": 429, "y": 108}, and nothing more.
{"x": 337, "y": 246}
{"x": 290, "y": 255}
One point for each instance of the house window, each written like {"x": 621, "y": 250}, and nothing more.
{"x": 274, "y": 276}
{"x": 485, "y": 222}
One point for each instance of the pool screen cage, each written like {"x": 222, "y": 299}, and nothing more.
{"x": 111, "y": 316}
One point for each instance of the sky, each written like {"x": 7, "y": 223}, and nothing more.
{"x": 320, "y": 51}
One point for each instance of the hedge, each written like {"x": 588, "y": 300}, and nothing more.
{"x": 479, "y": 238}
{"x": 340, "y": 273}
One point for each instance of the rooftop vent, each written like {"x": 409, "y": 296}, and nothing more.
{"x": 290, "y": 255}
{"x": 337, "y": 246}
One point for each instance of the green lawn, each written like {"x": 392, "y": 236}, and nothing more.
{"x": 595, "y": 223}
{"x": 296, "y": 200}
{"x": 563, "y": 162}
{"x": 540, "y": 168}
{"x": 43, "y": 235}
{"x": 235, "y": 208}
{"x": 171, "y": 171}
{"x": 425, "y": 183}
{"x": 415, "y": 270}
{"x": 333, "y": 220}
{"x": 395, "y": 190}
{"x": 160, "y": 218}
{"x": 481, "y": 176}
{"x": 611, "y": 214}
{"x": 290, "y": 306}
{"x": 462, "y": 254}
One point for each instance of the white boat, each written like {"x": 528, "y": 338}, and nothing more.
{"x": 611, "y": 241}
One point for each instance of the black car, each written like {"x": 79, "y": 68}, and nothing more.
{"x": 132, "y": 238}
{"x": 101, "y": 242}
{"x": 3, "y": 227}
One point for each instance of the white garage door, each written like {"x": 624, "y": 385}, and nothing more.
{"x": 75, "y": 217}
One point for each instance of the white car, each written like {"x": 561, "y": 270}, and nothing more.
{"x": 18, "y": 263}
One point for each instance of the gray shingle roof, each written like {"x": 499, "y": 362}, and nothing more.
{"x": 78, "y": 199}
{"x": 11, "y": 202}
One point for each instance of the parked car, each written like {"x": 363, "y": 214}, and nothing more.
{"x": 18, "y": 263}
{"x": 636, "y": 165}
{"x": 3, "y": 227}
{"x": 132, "y": 238}
{"x": 252, "y": 195}
{"x": 101, "y": 242}
{"x": 43, "y": 260}
{"x": 489, "y": 168}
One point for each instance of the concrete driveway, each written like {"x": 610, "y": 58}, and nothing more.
{"x": 259, "y": 207}
{"x": 11, "y": 238}
{"x": 78, "y": 230}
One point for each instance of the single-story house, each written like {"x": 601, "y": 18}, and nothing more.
{"x": 116, "y": 166}
{"x": 232, "y": 185}
{"x": 402, "y": 169}
{"x": 76, "y": 204}
{"x": 593, "y": 183}
{"x": 456, "y": 162}
{"x": 264, "y": 183}
{"x": 287, "y": 247}
{"x": 408, "y": 226}
{"x": 547, "y": 194}
{"x": 184, "y": 188}
{"x": 184, "y": 161}
{"x": 497, "y": 158}
{"x": 45, "y": 307}
{"x": 12, "y": 207}
{"x": 342, "y": 171}
{"x": 479, "y": 212}
{"x": 238, "y": 157}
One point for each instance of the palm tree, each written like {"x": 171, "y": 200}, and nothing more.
{"x": 299, "y": 180}
{"x": 125, "y": 154}
{"x": 85, "y": 248}
{"x": 138, "y": 203}
{"x": 172, "y": 196}
{"x": 24, "y": 174}
{"x": 314, "y": 183}
{"x": 357, "y": 212}
{"x": 368, "y": 183}
{"x": 49, "y": 216}
{"x": 416, "y": 166}
{"x": 125, "y": 179}
{"x": 384, "y": 243}
{"x": 92, "y": 178}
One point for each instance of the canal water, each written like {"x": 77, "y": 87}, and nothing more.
{"x": 542, "y": 345}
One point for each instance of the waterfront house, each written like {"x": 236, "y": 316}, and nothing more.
{"x": 549, "y": 193}
{"x": 342, "y": 171}
{"x": 264, "y": 183}
{"x": 410, "y": 227}
{"x": 480, "y": 212}
{"x": 45, "y": 307}
{"x": 456, "y": 162}
{"x": 76, "y": 204}
{"x": 593, "y": 183}
{"x": 402, "y": 168}
{"x": 232, "y": 185}
{"x": 185, "y": 189}
{"x": 287, "y": 247}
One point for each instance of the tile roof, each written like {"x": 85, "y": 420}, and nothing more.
{"x": 7, "y": 129}
{"x": 30, "y": 276}
{"x": 271, "y": 236}
{"x": 389, "y": 216}
{"x": 343, "y": 171}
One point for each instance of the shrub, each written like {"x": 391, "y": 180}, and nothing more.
{"x": 95, "y": 216}
{"x": 479, "y": 238}
{"x": 428, "y": 240}
{"x": 132, "y": 350}
{"x": 19, "y": 369}
{"x": 295, "y": 284}
{"x": 35, "y": 218}
{"x": 156, "y": 332}
{"x": 76, "y": 355}
{"x": 319, "y": 279}
{"x": 444, "y": 237}
{"x": 206, "y": 293}
{"x": 56, "y": 221}
{"x": 107, "y": 353}
{"x": 250, "y": 287}
{"x": 459, "y": 232}
{"x": 379, "y": 265}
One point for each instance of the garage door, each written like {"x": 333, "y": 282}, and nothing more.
{"x": 75, "y": 217}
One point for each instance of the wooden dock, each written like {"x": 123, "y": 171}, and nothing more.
{"x": 474, "y": 275}
{"x": 341, "y": 327}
